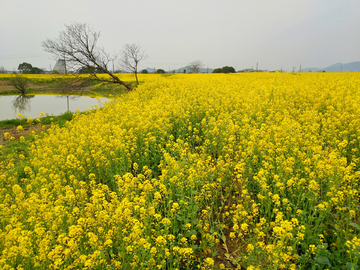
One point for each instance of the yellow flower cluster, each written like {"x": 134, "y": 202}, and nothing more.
{"x": 169, "y": 174}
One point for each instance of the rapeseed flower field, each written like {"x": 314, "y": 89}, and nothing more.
{"x": 200, "y": 171}
{"x": 48, "y": 78}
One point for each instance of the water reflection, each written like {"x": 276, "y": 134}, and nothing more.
{"x": 68, "y": 90}
{"x": 69, "y": 97}
{"x": 30, "y": 106}
{"x": 21, "y": 103}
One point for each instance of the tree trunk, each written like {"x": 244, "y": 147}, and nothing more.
{"x": 117, "y": 80}
{"x": 137, "y": 82}
{"x": 128, "y": 86}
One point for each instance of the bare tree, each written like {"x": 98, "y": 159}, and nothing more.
{"x": 195, "y": 66}
{"x": 19, "y": 82}
{"x": 77, "y": 45}
{"x": 132, "y": 55}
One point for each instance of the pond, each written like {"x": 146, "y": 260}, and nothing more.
{"x": 30, "y": 106}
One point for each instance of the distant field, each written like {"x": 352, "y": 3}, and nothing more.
{"x": 200, "y": 171}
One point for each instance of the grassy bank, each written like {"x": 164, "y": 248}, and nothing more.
{"x": 55, "y": 83}
{"x": 46, "y": 120}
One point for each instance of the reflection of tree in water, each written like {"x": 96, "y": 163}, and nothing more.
{"x": 21, "y": 103}
{"x": 68, "y": 98}
{"x": 70, "y": 87}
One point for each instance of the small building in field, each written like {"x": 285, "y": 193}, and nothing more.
{"x": 60, "y": 66}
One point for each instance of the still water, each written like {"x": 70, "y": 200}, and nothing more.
{"x": 30, "y": 106}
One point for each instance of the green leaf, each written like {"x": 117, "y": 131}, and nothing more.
{"x": 351, "y": 266}
{"x": 102, "y": 255}
{"x": 354, "y": 225}
{"x": 323, "y": 260}
{"x": 357, "y": 252}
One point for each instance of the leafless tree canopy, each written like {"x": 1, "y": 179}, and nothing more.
{"x": 19, "y": 82}
{"x": 195, "y": 66}
{"x": 131, "y": 56}
{"x": 77, "y": 45}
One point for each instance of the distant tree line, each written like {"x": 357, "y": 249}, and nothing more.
{"x": 160, "y": 71}
{"x": 225, "y": 69}
{"x": 26, "y": 68}
{"x": 87, "y": 70}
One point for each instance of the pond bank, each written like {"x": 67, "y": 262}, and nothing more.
{"x": 55, "y": 84}
{"x": 10, "y": 126}
{"x": 32, "y": 106}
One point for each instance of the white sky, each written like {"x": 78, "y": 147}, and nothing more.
{"x": 238, "y": 33}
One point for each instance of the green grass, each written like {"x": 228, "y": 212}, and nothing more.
{"x": 108, "y": 90}
{"x": 96, "y": 88}
{"x": 17, "y": 92}
{"x": 60, "y": 120}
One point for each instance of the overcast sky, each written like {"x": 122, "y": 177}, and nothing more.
{"x": 238, "y": 33}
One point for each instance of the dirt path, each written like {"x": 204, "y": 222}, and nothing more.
{"x": 16, "y": 134}
{"x": 5, "y": 86}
